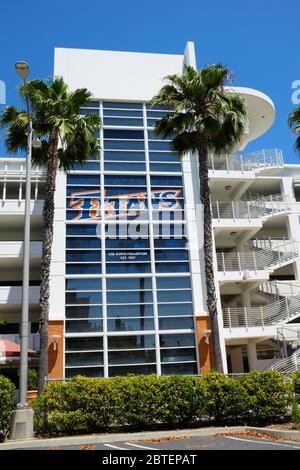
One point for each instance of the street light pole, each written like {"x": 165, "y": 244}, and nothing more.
{"x": 22, "y": 417}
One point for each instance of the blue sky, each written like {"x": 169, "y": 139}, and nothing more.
{"x": 258, "y": 40}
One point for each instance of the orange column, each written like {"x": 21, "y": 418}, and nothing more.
{"x": 56, "y": 356}
{"x": 203, "y": 325}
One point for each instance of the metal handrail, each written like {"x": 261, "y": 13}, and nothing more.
{"x": 257, "y": 260}
{"x": 287, "y": 365}
{"x": 277, "y": 312}
{"x": 260, "y": 160}
{"x": 256, "y": 209}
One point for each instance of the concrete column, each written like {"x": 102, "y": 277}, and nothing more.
{"x": 252, "y": 358}
{"x": 293, "y": 219}
{"x": 237, "y": 360}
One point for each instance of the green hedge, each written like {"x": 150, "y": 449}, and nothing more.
{"x": 84, "y": 405}
{"x": 7, "y": 390}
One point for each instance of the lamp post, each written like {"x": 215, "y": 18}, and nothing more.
{"x": 22, "y": 417}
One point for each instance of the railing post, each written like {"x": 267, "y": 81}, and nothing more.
{"x": 212, "y": 162}
{"x": 287, "y": 308}
{"x": 255, "y": 264}
{"x": 229, "y": 318}
{"x": 262, "y": 317}
{"x": 233, "y": 211}
{"x": 227, "y": 165}
{"x": 218, "y": 211}
{"x": 246, "y": 319}
{"x": 239, "y": 261}
{"x": 223, "y": 262}
{"x": 248, "y": 210}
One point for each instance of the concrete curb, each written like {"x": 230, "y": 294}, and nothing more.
{"x": 136, "y": 436}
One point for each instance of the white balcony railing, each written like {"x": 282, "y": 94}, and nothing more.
{"x": 261, "y": 160}
{"x": 287, "y": 365}
{"x": 279, "y": 312}
{"x": 257, "y": 260}
{"x": 259, "y": 208}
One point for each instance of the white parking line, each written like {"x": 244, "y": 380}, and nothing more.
{"x": 115, "y": 447}
{"x": 262, "y": 442}
{"x": 141, "y": 447}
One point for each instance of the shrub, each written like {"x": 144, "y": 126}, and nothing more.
{"x": 271, "y": 396}
{"x": 226, "y": 400}
{"x": 7, "y": 390}
{"x": 295, "y": 416}
{"x": 85, "y": 405}
{"x": 33, "y": 378}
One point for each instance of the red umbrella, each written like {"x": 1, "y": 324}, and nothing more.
{"x": 10, "y": 350}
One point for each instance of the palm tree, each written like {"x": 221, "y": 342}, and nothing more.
{"x": 66, "y": 138}
{"x": 294, "y": 124}
{"x": 205, "y": 117}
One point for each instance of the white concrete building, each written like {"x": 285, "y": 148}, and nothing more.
{"x": 137, "y": 304}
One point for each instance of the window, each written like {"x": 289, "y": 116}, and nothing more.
{"x": 125, "y": 370}
{"x": 131, "y": 357}
{"x": 122, "y": 166}
{"x": 113, "y": 104}
{"x": 164, "y": 181}
{"x": 129, "y": 283}
{"x": 83, "y": 229}
{"x": 174, "y": 296}
{"x": 172, "y": 267}
{"x": 131, "y": 342}
{"x": 178, "y": 355}
{"x": 84, "y": 344}
{"x": 83, "y": 298}
{"x": 167, "y": 157}
{"x": 124, "y": 144}
{"x": 124, "y": 268}
{"x": 84, "y": 311}
{"x": 176, "y": 323}
{"x": 89, "y": 284}
{"x": 77, "y": 243}
{"x": 83, "y": 326}
{"x": 135, "y": 324}
{"x": 173, "y": 282}
{"x": 123, "y": 134}
{"x": 83, "y": 268}
{"x": 83, "y": 179}
{"x": 124, "y": 156}
{"x": 84, "y": 359}
{"x": 91, "y": 372}
{"x": 170, "y": 255}
{"x": 113, "y": 121}
{"x": 134, "y": 297}
{"x": 83, "y": 256}
{"x": 175, "y": 309}
{"x": 177, "y": 340}
{"x": 122, "y": 180}
{"x": 122, "y": 113}
{"x": 123, "y": 311}
{"x": 179, "y": 369}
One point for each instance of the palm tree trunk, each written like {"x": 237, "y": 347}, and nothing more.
{"x": 47, "y": 240}
{"x": 208, "y": 254}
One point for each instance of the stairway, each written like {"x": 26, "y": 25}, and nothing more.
{"x": 287, "y": 365}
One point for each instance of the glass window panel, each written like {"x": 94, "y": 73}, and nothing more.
{"x": 84, "y": 311}
{"x": 177, "y": 340}
{"x": 124, "y": 180}
{"x": 83, "y": 255}
{"x": 164, "y": 157}
{"x": 122, "y": 166}
{"x": 90, "y": 242}
{"x": 151, "y": 122}
{"x": 127, "y": 243}
{"x": 92, "y": 166}
{"x": 131, "y": 342}
{"x": 123, "y": 134}
{"x": 91, "y": 104}
{"x": 136, "y": 324}
{"x": 83, "y": 179}
{"x": 84, "y": 298}
{"x": 176, "y": 323}
{"x": 170, "y": 243}
{"x": 92, "y": 372}
{"x": 174, "y": 296}
{"x": 131, "y": 357}
{"x": 169, "y": 230}
{"x": 172, "y": 267}
{"x": 128, "y": 268}
{"x": 85, "y": 112}
{"x": 138, "y": 311}
{"x": 129, "y": 284}
{"x": 113, "y": 121}
{"x": 83, "y": 268}
{"x": 175, "y": 309}
{"x": 130, "y": 255}
{"x": 83, "y": 284}
{"x": 84, "y": 359}
{"x": 163, "y": 181}
{"x": 160, "y": 145}
{"x": 120, "y": 112}
{"x": 83, "y": 326}
{"x": 125, "y": 370}
{"x": 168, "y": 167}
{"x": 177, "y": 355}
{"x": 124, "y": 144}
{"x": 129, "y": 297}
{"x": 114, "y": 104}
{"x": 82, "y": 229}
{"x": 173, "y": 282}
{"x": 179, "y": 369}
{"x": 84, "y": 344}
{"x": 162, "y": 255}
{"x": 124, "y": 156}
